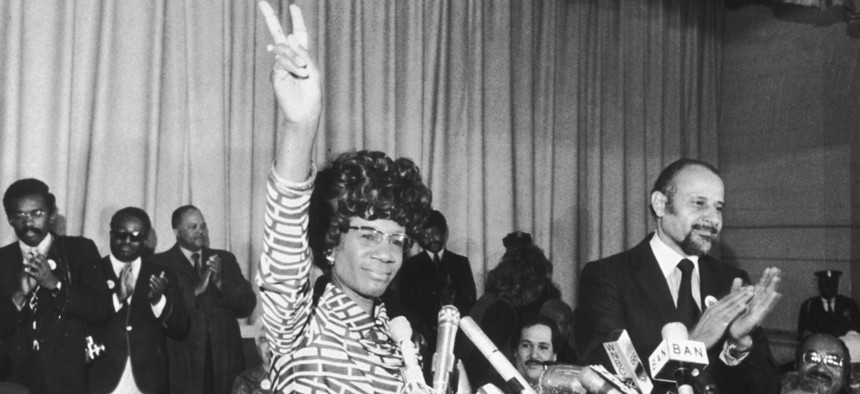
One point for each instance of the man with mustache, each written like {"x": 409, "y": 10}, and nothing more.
{"x": 669, "y": 277}
{"x": 214, "y": 294}
{"x": 535, "y": 347}
{"x": 51, "y": 291}
{"x": 825, "y": 360}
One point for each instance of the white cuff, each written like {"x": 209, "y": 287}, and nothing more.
{"x": 158, "y": 308}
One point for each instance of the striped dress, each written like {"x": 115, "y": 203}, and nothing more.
{"x": 333, "y": 346}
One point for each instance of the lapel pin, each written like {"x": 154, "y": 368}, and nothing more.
{"x": 710, "y": 300}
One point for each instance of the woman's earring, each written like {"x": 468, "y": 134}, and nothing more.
{"x": 330, "y": 257}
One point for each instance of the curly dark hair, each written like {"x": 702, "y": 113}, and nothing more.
{"x": 521, "y": 277}
{"x": 25, "y": 188}
{"x": 369, "y": 185}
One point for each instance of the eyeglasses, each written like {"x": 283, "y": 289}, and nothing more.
{"x": 134, "y": 236}
{"x": 32, "y": 215}
{"x": 830, "y": 360}
{"x": 369, "y": 236}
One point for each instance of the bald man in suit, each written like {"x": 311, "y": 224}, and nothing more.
{"x": 669, "y": 277}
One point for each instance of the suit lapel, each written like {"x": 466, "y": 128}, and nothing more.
{"x": 58, "y": 253}
{"x": 180, "y": 264}
{"x": 652, "y": 281}
{"x": 709, "y": 284}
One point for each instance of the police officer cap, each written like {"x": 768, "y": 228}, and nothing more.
{"x": 517, "y": 238}
{"x": 829, "y": 274}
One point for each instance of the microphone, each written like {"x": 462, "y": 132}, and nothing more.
{"x": 705, "y": 383}
{"x": 561, "y": 379}
{"x": 401, "y": 332}
{"x": 443, "y": 359}
{"x": 626, "y": 361}
{"x": 509, "y": 374}
{"x": 489, "y": 388}
{"x": 677, "y": 357}
{"x": 598, "y": 380}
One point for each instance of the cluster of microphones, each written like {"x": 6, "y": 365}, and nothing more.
{"x": 677, "y": 360}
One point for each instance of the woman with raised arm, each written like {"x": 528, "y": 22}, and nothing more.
{"x": 371, "y": 207}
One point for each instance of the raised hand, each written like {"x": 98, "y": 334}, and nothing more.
{"x": 157, "y": 286}
{"x": 126, "y": 283}
{"x": 295, "y": 77}
{"x": 27, "y": 284}
{"x": 716, "y": 319}
{"x": 297, "y": 84}
{"x": 213, "y": 265}
{"x": 764, "y": 299}
{"x": 38, "y": 268}
{"x": 204, "y": 282}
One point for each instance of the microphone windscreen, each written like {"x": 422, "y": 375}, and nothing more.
{"x": 675, "y": 331}
{"x": 400, "y": 329}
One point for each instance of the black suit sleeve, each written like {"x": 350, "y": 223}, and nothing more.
{"x": 466, "y": 293}
{"x": 236, "y": 293}
{"x": 174, "y": 317}
{"x": 600, "y": 311}
{"x": 803, "y": 319}
{"x": 87, "y": 297}
{"x": 10, "y": 317}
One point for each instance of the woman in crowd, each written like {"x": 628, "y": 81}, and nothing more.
{"x": 373, "y": 207}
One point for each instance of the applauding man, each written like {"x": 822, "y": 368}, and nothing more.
{"x": 51, "y": 290}
{"x": 669, "y": 277}
{"x": 145, "y": 311}
{"x": 215, "y": 294}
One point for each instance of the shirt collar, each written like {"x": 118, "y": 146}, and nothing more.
{"x": 119, "y": 265}
{"x": 43, "y": 247}
{"x": 441, "y": 253}
{"x": 188, "y": 254}
{"x": 667, "y": 257}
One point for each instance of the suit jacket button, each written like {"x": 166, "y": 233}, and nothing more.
{"x": 128, "y": 328}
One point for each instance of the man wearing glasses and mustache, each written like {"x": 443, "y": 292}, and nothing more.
{"x": 51, "y": 291}
{"x": 825, "y": 361}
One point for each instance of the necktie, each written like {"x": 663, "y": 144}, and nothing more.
{"x": 195, "y": 258}
{"x": 688, "y": 311}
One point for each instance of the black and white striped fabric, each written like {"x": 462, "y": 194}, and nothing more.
{"x": 334, "y": 347}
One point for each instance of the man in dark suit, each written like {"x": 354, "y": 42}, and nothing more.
{"x": 669, "y": 277}
{"x": 830, "y": 312}
{"x": 215, "y": 294}
{"x": 431, "y": 279}
{"x": 51, "y": 292}
{"x": 146, "y": 309}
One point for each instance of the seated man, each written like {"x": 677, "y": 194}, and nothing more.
{"x": 147, "y": 309}
{"x": 256, "y": 379}
{"x": 852, "y": 342}
{"x": 824, "y": 360}
{"x": 534, "y": 347}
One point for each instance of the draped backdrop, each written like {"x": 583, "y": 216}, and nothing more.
{"x": 552, "y": 117}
